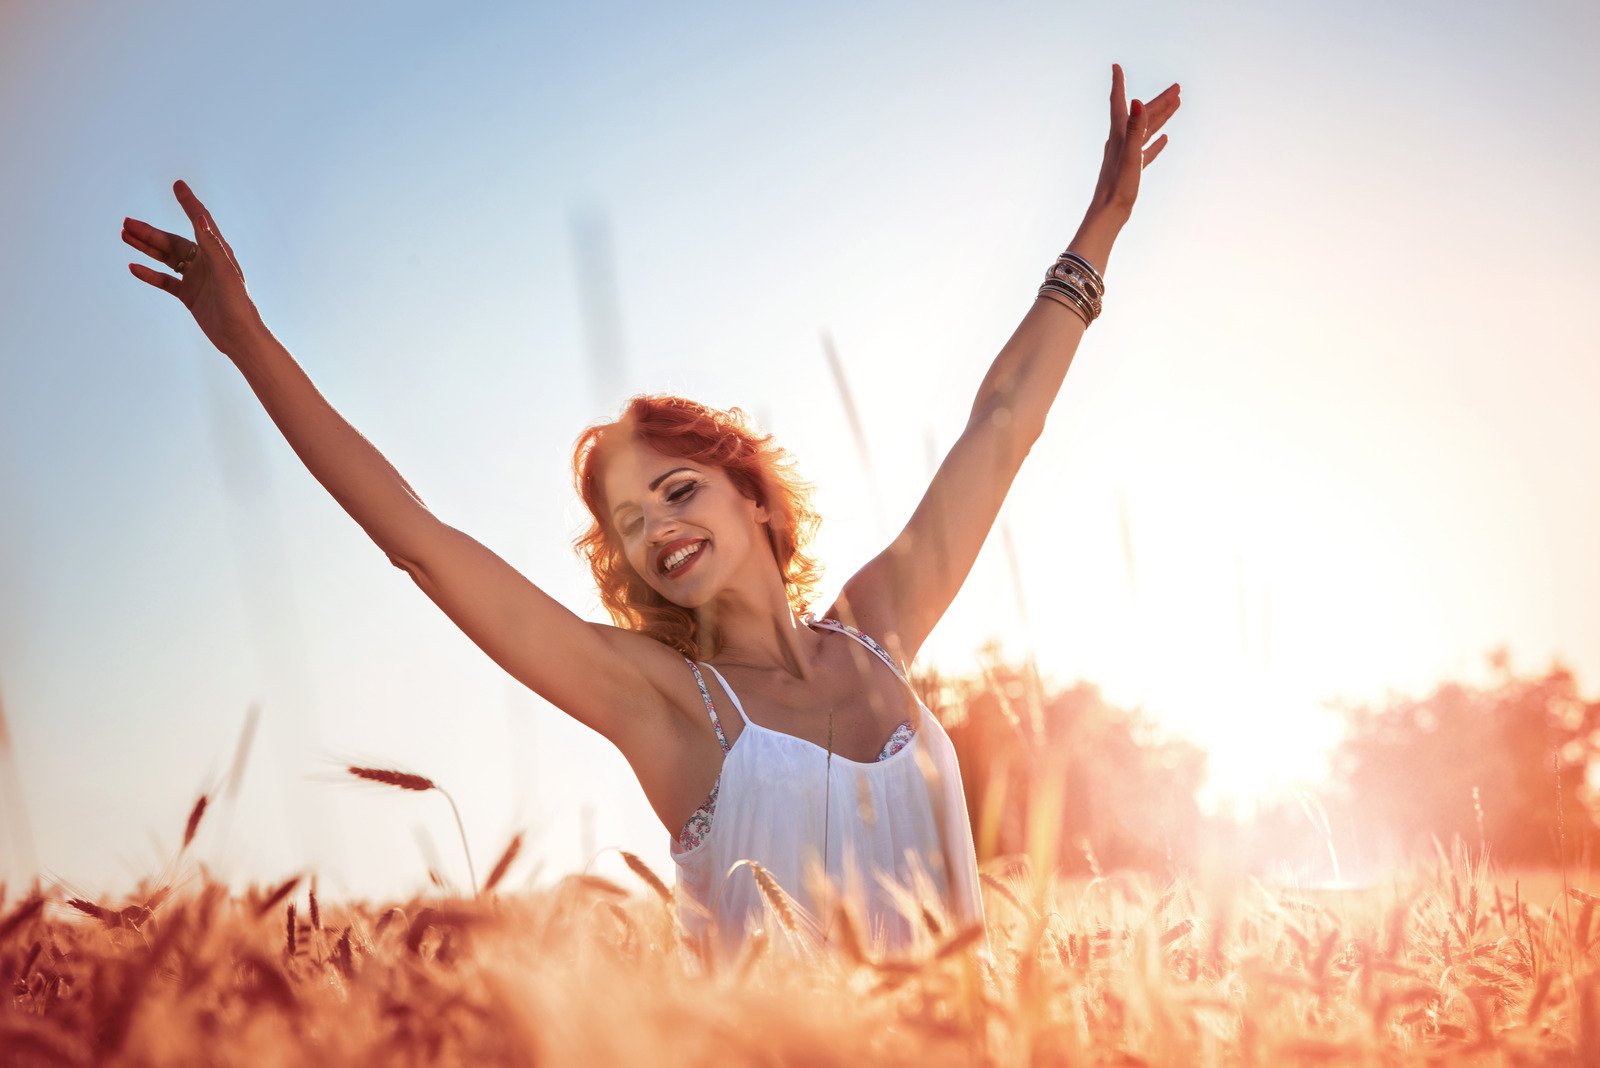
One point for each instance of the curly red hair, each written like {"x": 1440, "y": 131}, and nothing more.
{"x": 754, "y": 463}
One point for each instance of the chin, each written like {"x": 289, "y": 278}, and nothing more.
{"x": 691, "y": 602}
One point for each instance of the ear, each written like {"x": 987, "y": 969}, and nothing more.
{"x": 761, "y": 514}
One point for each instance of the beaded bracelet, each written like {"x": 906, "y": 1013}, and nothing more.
{"x": 1098, "y": 282}
{"x": 1073, "y": 282}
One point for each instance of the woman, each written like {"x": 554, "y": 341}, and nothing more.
{"x": 698, "y": 544}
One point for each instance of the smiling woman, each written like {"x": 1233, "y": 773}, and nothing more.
{"x": 721, "y": 448}
{"x": 699, "y": 545}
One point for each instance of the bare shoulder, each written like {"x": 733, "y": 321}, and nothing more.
{"x": 864, "y": 605}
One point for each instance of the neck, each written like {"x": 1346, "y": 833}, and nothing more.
{"x": 755, "y": 629}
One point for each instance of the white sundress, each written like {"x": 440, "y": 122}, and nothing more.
{"x": 901, "y": 819}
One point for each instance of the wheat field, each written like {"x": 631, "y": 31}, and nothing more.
{"x": 1456, "y": 962}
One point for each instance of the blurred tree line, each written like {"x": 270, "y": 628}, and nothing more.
{"x": 1513, "y": 767}
{"x": 1129, "y": 797}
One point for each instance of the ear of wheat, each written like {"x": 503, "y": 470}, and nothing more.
{"x": 272, "y": 899}
{"x": 600, "y": 884}
{"x": 503, "y": 865}
{"x": 23, "y": 913}
{"x": 89, "y": 908}
{"x": 642, "y": 870}
{"x": 393, "y": 914}
{"x": 406, "y": 780}
{"x": 193, "y": 825}
{"x": 969, "y": 935}
{"x": 342, "y": 954}
{"x": 849, "y": 938}
{"x": 403, "y": 779}
{"x": 775, "y": 898}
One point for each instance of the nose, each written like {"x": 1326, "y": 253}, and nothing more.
{"x": 660, "y": 528}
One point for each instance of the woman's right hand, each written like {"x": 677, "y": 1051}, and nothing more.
{"x": 209, "y": 281}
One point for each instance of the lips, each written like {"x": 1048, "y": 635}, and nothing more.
{"x": 671, "y": 547}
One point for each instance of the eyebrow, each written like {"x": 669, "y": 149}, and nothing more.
{"x": 660, "y": 479}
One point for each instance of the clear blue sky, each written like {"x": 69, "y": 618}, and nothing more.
{"x": 1342, "y": 399}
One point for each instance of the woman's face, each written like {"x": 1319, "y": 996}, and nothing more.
{"x": 683, "y": 525}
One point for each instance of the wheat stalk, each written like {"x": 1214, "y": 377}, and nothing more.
{"x": 503, "y": 865}
{"x": 277, "y": 895}
{"x": 775, "y": 898}
{"x": 342, "y": 954}
{"x": 23, "y": 913}
{"x": 849, "y": 937}
{"x": 386, "y": 919}
{"x": 89, "y": 908}
{"x": 651, "y": 879}
{"x": 1004, "y": 891}
{"x": 600, "y": 884}
{"x": 193, "y": 824}
{"x": 968, "y": 935}
{"x": 407, "y": 781}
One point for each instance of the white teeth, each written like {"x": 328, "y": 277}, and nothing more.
{"x": 671, "y": 562}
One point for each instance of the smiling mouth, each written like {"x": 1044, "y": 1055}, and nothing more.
{"x": 679, "y": 560}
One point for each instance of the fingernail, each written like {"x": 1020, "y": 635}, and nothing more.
{"x": 1137, "y": 109}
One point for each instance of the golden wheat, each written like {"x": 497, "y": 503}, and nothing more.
{"x": 193, "y": 823}
{"x": 1425, "y": 968}
{"x": 503, "y": 865}
{"x": 650, "y": 878}
{"x": 405, "y": 780}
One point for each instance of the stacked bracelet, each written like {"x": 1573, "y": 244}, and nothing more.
{"x": 1073, "y": 281}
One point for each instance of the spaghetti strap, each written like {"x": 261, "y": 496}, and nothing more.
{"x": 705, "y": 696}
{"x": 728, "y": 688}
{"x": 864, "y": 639}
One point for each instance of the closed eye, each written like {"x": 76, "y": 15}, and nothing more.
{"x": 679, "y": 494}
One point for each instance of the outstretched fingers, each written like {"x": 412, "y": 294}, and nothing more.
{"x": 148, "y": 249}
{"x": 1160, "y": 109}
{"x": 157, "y": 244}
{"x": 155, "y": 278}
{"x": 1155, "y": 150}
{"x": 1155, "y": 112}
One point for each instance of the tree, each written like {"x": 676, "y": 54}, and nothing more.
{"x": 1486, "y": 764}
{"x": 1130, "y": 793}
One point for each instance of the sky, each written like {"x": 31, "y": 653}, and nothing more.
{"x": 1336, "y": 435}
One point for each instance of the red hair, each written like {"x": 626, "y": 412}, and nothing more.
{"x": 755, "y": 464}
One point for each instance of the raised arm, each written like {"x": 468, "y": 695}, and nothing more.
{"x": 595, "y": 673}
{"x": 904, "y": 591}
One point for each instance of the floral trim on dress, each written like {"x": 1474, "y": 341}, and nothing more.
{"x": 705, "y": 695}
{"x": 867, "y": 640}
{"x": 699, "y": 824}
{"x": 898, "y": 740}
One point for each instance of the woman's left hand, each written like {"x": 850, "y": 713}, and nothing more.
{"x": 1126, "y": 155}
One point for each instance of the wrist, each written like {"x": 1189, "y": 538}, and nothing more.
{"x": 1096, "y": 234}
{"x": 247, "y": 341}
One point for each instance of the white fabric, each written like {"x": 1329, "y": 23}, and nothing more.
{"x": 776, "y": 793}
